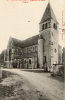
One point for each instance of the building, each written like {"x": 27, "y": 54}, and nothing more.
{"x": 22, "y": 54}
{"x": 40, "y": 51}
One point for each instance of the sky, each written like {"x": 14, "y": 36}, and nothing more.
{"x": 21, "y": 20}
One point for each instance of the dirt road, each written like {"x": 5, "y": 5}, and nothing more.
{"x": 43, "y": 82}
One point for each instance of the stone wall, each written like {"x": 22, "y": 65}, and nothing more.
{"x": 58, "y": 70}
{"x": 47, "y": 37}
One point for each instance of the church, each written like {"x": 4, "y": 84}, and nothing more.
{"x": 39, "y": 51}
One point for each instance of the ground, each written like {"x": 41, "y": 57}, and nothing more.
{"x": 39, "y": 86}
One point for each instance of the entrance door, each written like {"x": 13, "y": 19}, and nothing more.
{"x": 30, "y": 63}
{"x": 44, "y": 59}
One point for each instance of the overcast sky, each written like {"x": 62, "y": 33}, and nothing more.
{"x": 21, "y": 20}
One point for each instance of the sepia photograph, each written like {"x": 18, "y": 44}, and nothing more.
{"x": 32, "y": 50}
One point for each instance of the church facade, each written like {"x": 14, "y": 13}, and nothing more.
{"x": 40, "y": 51}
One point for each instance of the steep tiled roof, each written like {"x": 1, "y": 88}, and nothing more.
{"x": 28, "y": 42}
{"x": 48, "y": 14}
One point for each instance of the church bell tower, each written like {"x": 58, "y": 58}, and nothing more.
{"x": 49, "y": 31}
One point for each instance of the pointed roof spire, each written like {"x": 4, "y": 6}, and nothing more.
{"x": 48, "y": 14}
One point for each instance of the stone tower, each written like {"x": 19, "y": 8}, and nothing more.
{"x": 49, "y": 31}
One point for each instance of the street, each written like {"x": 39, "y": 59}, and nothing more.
{"x": 43, "y": 82}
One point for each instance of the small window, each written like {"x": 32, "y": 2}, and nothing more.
{"x": 46, "y": 25}
{"x": 43, "y": 27}
{"x": 29, "y": 61}
{"x": 55, "y": 26}
{"x": 55, "y": 50}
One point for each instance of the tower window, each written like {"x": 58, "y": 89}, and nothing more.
{"x": 29, "y": 61}
{"x": 43, "y": 27}
{"x": 55, "y": 26}
{"x": 46, "y": 25}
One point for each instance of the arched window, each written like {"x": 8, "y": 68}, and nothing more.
{"x": 43, "y": 27}
{"x": 46, "y": 25}
{"x": 55, "y": 26}
{"x": 29, "y": 61}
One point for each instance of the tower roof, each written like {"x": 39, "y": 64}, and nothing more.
{"x": 48, "y": 14}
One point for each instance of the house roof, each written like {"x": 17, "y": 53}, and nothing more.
{"x": 48, "y": 14}
{"x": 28, "y": 42}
